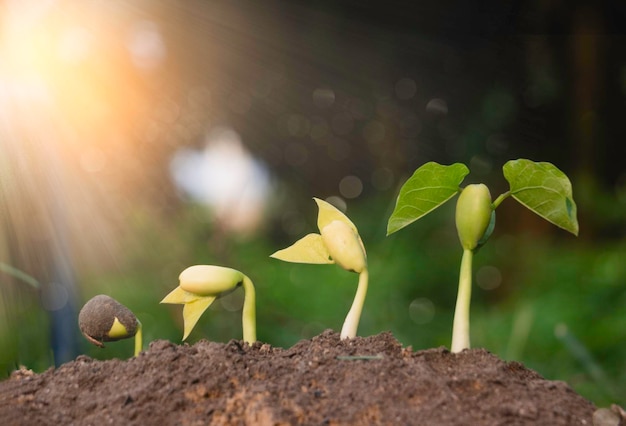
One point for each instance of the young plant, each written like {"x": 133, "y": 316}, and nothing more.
{"x": 104, "y": 319}
{"x": 540, "y": 187}
{"x": 338, "y": 242}
{"x": 201, "y": 285}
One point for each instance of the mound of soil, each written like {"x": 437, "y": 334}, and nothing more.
{"x": 325, "y": 380}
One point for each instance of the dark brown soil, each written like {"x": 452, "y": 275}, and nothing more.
{"x": 361, "y": 381}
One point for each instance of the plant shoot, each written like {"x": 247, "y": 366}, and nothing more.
{"x": 201, "y": 285}
{"x": 338, "y": 242}
{"x": 540, "y": 187}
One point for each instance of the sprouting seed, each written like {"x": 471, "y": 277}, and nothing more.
{"x": 104, "y": 319}
{"x": 338, "y": 242}
{"x": 201, "y": 285}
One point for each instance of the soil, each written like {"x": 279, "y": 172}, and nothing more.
{"x": 321, "y": 381}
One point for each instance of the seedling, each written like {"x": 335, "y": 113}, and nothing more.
{"x": 104, "y": 319}
{"x": 540, "y": 187}
{"x": 338, "y": 242}
{"x": 201, "y": 285}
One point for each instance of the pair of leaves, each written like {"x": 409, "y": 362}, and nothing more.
{"x": 193, "y": 307}
{"x": 541, "y": 187}
{"x": 311, "y": 247}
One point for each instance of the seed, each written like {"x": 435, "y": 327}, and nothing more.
{"x": 104, "y": 319}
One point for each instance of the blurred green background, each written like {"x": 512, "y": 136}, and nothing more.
{"x": 138, "y": 140}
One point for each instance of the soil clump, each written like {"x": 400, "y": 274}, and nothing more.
{"x": 320, "y": 381}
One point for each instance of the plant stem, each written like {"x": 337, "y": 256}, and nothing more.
{"x": 138, "y": 339}
{"x": 351, "y": 323}
{"x": 16, "y": 273}
{"x": 500, "y": 199}
{"x": 248, "y": 315}
{"x": 460, "y": 327}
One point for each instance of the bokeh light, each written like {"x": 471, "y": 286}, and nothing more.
{"x": 488, "y": 277}
{"x": 422, "y": 310}
{"x": 350, "y": 187}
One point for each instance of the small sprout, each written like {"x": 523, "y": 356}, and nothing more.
{"x": 201, "y": 285}
{"x": 104, "y": 319}
{"x": 338, "y": 242}
{"x": 541, "y": 187}
{"x": 473, "y": 216}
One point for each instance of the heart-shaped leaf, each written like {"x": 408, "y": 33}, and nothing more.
{"x": 430, "y": 186}
{"x": 545, "y": 190}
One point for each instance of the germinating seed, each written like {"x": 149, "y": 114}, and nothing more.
{"x": 98, "y": 316}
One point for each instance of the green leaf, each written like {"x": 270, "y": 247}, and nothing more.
{"x": 430, "y": 186}
{"x": 545, "y": 190}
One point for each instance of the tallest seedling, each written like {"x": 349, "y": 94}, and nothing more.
{"x": 541, "y": 187}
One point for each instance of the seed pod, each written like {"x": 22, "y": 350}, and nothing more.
{"x": 205, "y": 280}
{"x": 104, "y": 319}
{"x": 345, "y": 246}
{"x": 473, "y": 215}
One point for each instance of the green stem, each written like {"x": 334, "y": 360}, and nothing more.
{"x": 16, "y": 273}
{"x": 351, "y": 323}
{"x": 500, "y": 199}
{"x": 248, "y": 316}
{"x": 461, "y": 325}
{"x": 138, "y": 339}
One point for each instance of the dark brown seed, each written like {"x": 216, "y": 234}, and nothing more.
{"x": 97, "y": 316}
